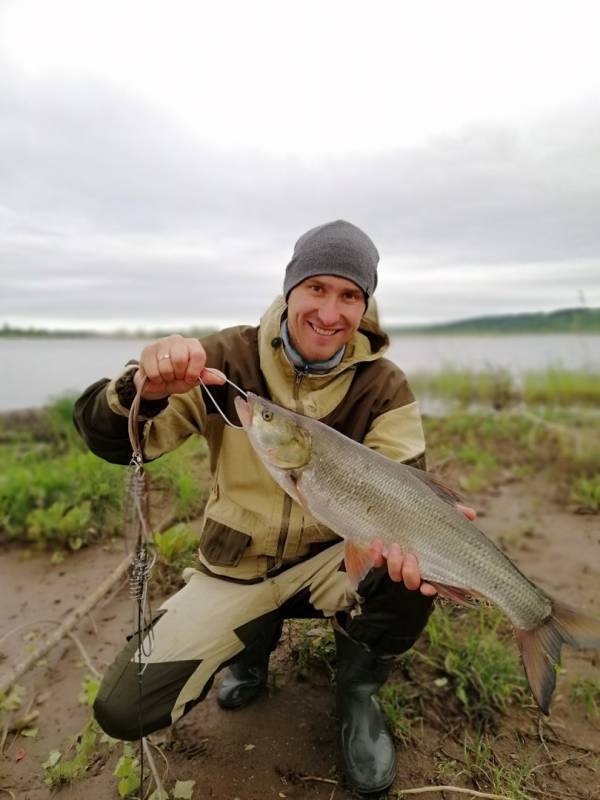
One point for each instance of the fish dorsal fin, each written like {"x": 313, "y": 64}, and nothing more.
{"x": 436, "y": 485}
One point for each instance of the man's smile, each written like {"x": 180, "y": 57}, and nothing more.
{"x": 323, "y": 331}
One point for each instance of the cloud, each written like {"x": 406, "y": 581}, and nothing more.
{"x": 110, "y": 211}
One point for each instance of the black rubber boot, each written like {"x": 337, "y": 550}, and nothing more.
{"x": 367, "y": 746}
{"x": 246, "y": 678}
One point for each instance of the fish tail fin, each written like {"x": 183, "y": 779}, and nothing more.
{"x": 540, "y": 648}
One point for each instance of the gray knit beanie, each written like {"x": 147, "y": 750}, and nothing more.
{"x": 336, "y": 248}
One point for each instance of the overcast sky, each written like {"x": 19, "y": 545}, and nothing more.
{"x": 159, "y": 160}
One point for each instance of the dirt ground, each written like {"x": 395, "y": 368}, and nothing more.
{"x": 284, "y": 746}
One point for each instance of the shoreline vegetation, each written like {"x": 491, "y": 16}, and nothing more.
{"x": 573, "y": 320}
{"x": 56, "y": 494}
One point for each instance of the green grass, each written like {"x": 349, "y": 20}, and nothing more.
{"x": 562, "y": 387}
{"x": 313, "y": 646}
{"x": 585, "y": 493}
{"x": 465, "y": 387}
{"x": 491, "y": 774}
{"x": 62, "y": 501}
{"x": 55, "y": 494}
{"x": 479, "y": 449}
{"x": 586, "y": 692}
{"x": 399, "y": 705}
{"x": 184, "y": 472}
{"x": 474, "y": 659}
{"x": 498, "y": 388}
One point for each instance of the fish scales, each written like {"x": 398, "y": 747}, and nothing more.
{"x": 353, "y": 489}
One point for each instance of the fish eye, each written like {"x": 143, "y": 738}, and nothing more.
{"x": 267, "y": 415}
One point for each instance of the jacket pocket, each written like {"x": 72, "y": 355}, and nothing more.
{"x": 221, "y": 545}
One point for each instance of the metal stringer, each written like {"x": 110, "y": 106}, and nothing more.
{"x": 142, "y": 560}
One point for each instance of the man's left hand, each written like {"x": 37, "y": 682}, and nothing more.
{"x": 404, "y": 566}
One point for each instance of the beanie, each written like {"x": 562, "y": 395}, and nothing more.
{"x": 336, "y": 248}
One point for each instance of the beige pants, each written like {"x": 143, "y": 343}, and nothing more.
{"x": 208, "y": 623}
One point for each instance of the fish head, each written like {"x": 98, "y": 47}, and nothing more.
{"x": 274, "y": 432}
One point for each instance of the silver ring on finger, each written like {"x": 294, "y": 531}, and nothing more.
{"x": 167, "y": 355}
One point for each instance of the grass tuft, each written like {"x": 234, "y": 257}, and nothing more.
{"x": 469, "y": 649}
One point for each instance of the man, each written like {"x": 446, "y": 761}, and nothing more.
{"x": 318, "y": 350}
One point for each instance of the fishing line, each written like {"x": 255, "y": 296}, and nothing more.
{"x": 216, "y": 405}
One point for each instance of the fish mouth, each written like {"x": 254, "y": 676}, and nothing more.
{"x": 244, "y": 411}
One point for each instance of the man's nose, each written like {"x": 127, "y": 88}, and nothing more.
{"x": 329, "y": 311}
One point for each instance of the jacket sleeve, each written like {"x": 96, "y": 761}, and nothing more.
{"x": 102, "y": 420}
{"x": 397, "y": 430}
{"x": 398, "y": 434}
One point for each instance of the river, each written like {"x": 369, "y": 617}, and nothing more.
{"x": 36, "y": 370}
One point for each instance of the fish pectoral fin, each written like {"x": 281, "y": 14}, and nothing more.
{"x": 359, "y": 560}
{"x": 436, "y": 485}
{"x": 465, "y": 597}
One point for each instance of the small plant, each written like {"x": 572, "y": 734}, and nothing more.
{"x": 481, "y": 668}
{"x": 586, "y": 691}
{"x": 60, "y": 770}
{"x": 60, "y": 501}
{"x": 128, "y": 772}
{"x": 399, "y": 706}
{"x": 489, "y": 773}
{"x": 184, "y": 472}
{"x": 313, "y": 646}
{"x": 89, "y": 690}
{"x": 585, "y": 493}
{"x": 176, "y": 545}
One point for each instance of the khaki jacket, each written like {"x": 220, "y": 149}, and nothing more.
{"x": 251, "y": 527}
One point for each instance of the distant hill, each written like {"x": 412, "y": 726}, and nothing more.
{"x": 12, "y": 332}
{"x": 568, "y": 320}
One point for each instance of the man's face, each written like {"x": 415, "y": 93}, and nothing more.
{"x": 324, "y": 312}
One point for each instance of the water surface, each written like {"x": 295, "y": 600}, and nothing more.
{"x": 35, "y": 370}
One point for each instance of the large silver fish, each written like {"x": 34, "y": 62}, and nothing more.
{"x": 362, "y": 495}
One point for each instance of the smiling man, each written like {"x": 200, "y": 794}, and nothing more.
{"x": 319, "y": 351}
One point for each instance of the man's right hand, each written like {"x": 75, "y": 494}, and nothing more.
{"x": 172, "y": 366}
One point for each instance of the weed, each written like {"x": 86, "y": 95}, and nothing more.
{"x": 184, "y": 473}
{"x": 585, "y": 493}
{"x": 176, "y": 545}
{"x": 128, "y": 772}
{"x": 89, "y": 690}
{"x": 313, "y": 646}
{"x": 398, "y": 704}
{"x": 60, "y": 770}
{"x": 64, "y": 501}
{"x": 482, "y": 670}
{"x": 487, "y": 772}
{"x": 498, "y": 388}
{"x": 586, "y": 691}
{"x": 490, "y": 387}
{"x": 562, "y": 387}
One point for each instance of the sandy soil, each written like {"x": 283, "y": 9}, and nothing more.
{"x": 282, "y": 744}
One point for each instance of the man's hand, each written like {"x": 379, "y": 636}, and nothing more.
{"x": 404, "y": 566}
{"x": 172, "y": 366}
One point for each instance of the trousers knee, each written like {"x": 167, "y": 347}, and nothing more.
{"x": 117, "y": 721}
